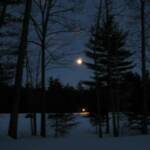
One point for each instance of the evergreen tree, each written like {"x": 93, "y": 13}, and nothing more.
{"x": 8, "y": 39}
{"x": 54, "y": 84}
{"x": 6, "y": 74}
{"x": 92, "y": 45}
{"x": 133, "y": 85}
{"x": 62, "y": 123}
{"x": 140, "y": 11}
{"x": 107, "y": 47}
{"x": 3, "y": 9}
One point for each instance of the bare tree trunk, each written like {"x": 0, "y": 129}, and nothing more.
{"x": 107, "y": 122}
{"x": 113, "y": 107}
{"x": 143, "y": 61}
{"x": 56, "y": 125}
{"x": 114, "y": 122}
{"x": 43, "y": 117}
{"x": 96, "y": 77}
{"x": 45, "y": 20}
{"x": 117, "y": 108}
{"x": 99, "y": 112}
{"x": 34, "y": 125}
{"x": 29, "y": 80}
{"x": 13, "y": 125}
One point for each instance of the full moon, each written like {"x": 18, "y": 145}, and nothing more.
{"x": 79, "y": 61}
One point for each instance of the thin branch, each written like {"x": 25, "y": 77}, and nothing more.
{"x": 37, "y": 4}
{"x": 37, "y": 28}
{"x": 63, "y": 11}
{"x": 36, "y": 43}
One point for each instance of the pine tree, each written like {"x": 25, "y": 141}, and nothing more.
{"x": 62, "y": 123}
{"x": 133, "y": 85}
{"x": 107, "y": 47}
{"x": 8, "y": 39}
{"x": 140, "y": 10}
{"x": 95, "y": 65}
{"x": 6, "y": 74}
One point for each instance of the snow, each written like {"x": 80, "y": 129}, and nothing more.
{"x": 82, "y": 137}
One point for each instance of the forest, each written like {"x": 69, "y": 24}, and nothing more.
{"x": 37, "y": 36}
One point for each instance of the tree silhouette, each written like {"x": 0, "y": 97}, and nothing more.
{"x": 19, "y": 70}
{"x": 107, "y": 47}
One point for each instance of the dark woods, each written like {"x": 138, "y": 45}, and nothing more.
{"x": 60, "y": 98}
{"x": 31, "y": 43}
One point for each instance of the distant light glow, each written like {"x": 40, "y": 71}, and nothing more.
{"x": 79, "y": 61}
{"x": 83, "y": 110}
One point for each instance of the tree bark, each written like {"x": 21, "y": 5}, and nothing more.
{"x": 45, "y": 20}
{"x": 43, "y": 117}
{"x": 107, "y": 122}
{"x": 99, "y": 115}
{"x": 143, "y": 69}
{"x": 13, "y": 125}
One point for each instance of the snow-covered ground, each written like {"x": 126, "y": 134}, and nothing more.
{"x": 82, "y": 137}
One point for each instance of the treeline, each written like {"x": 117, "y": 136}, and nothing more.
{"x": 61, "y": 98}
{"x": 58, "y": 98}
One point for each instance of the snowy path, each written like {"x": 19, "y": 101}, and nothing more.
{"x": 81, "y": 138}
{"x": 128, "y": 143}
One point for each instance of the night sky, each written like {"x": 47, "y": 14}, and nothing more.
{"x": 74, "y": 73}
